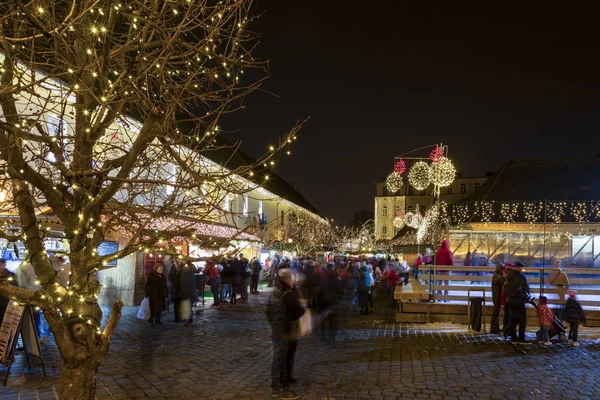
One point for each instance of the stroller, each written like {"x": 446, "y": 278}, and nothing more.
{"x": 556, "y": 329}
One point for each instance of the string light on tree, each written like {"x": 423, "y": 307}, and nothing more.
{"x": 419, "y": 175}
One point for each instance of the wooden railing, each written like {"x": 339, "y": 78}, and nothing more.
{"x": 459, "y": 285}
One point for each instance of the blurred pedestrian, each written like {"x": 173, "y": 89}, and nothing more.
{"x": 256, "y": 268}
{"x": 188, "y": 292}
{"x": 5, "y": 275}
{"x": 497, "y": 285}
{"x": 283, "y": 311}
{"x": 214, "y": 277}
{"x": 516, "y": 289}
{"x": 444, "y": 256}
{"x": 175, "y": 279}
{"x": 156, "y": 292}
{"x": 328, "y": 304}
{"x": 574, "y": 315}
{"x": 559, "y": 279}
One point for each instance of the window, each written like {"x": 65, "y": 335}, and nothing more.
{"x": 410, "y": 191}
{"x": 56, "y": 127}
{"x": 422, "y": 210}
{"x": 384, "y": 211}
{"x": 477, "y": 186}
{"x": 423, "y": 193}
{"x": 449, "y": 190}
{"x": 410, "y": 208}
{"x": 384, "y": 231}
{"x": 396, "y": 210}
{"x": 245, "y": 212}
{"x": 463, "y": 188}
{"x": 385, "y": 191}
{"x": 226, "y": 203}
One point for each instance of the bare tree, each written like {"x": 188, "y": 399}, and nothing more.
{"x": 108, "y": 112}
{"x": 301, "y": 232}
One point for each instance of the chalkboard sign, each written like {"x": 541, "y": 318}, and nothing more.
{"x": 19, "y": 319}
{"x": 9, "y": 330}
{"x": 107, "y": 248}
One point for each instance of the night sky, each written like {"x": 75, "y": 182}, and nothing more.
{"x": 382, "y": 78}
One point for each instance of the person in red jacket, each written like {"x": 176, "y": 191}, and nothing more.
{"x": 214, "y": 276}
{"x": 444, "y": 257}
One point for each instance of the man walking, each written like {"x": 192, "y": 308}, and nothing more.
{"x": 283, "y": 311}
{"x": 497, "y": 286}
{"x": 516, "y": 290}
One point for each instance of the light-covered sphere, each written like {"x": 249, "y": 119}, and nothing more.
{"x": 443, "y": 173}
{"x": 418, "y": 176}
{"x": 398, "y": 222}
{"x": 413, "y": 220}
{"x": 393, "y": 182}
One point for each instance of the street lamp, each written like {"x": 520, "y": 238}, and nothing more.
{"x": 290, "y": 240}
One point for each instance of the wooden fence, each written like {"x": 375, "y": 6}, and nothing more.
{"x": 460, "y": 282}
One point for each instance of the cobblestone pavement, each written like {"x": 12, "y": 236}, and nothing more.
{"x": 227, "y": 355}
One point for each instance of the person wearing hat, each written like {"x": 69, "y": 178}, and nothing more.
{"x": 283, "y": 311}
{"x": 516, "y": 290}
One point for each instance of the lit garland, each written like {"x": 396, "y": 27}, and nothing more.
{"x": 556, "y": 211}
{"x": 485, "y": 210}
{"x": 419, "y": 176}
{"x": 533, "y": 212}
{"x": 394, "y": 182}
{"x": 509, "y": 212}
{"x": 460, "y": 213}
{"x": 579, "y": 212}
{"x": 443, "y": 172}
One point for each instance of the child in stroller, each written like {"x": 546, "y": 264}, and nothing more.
{"x": 556, "y": 329}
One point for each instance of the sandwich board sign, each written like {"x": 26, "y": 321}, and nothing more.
{"x": 19, "y": 320}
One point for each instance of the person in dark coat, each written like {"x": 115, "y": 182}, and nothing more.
{"x": 174, "y": 278}
{"x": 497, "y": 285}
{"x": 574, "y": 315}
{"x": 283, "y": 311}
{"x": 256, "y": 268}
{"x": 516, "y": 290}
{"x": 156, "y": 292}
{"x": 329, "y": 293}
{"x": 226, "y": 279}
{"x": 245, "y": 280}
{"x": 188, "y": 292}
{"x": 237, "y": 270}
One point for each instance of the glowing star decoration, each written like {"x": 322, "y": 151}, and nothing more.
{"x": 418, "y": 176}
{"x": 443, "y": 173}
{"x": 393, "y": 182}
{"x": 400, "y": 167}
{"x": 436, "y": 155}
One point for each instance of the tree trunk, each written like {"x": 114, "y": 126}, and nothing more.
{"x": 78, "y": 382}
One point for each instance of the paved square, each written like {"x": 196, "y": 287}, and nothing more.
{"x": 227, "y": 355}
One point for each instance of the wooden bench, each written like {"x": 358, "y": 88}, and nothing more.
{"x": 413, "y": 291}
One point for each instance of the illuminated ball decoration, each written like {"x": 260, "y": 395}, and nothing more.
{"x": 443, "y": 173}
{"x": 398, "y": 222}
{"x": 413, "y": 220}
{"x": 436, "y": 155}
{"x": 418, "y": 176}
{"x": 393, "y": 182}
